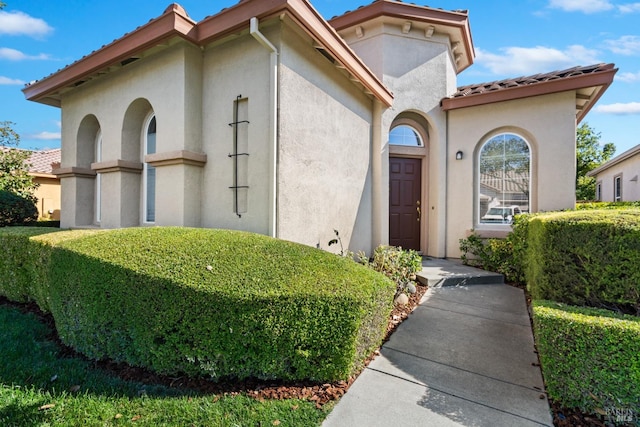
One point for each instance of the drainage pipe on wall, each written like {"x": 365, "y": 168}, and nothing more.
{"x": 376, "y": 176}
{"x": 254, "y": 30}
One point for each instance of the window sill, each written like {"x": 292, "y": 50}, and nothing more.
{"x": 491, "y": 232}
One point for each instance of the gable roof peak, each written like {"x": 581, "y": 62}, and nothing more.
{"x": 452, "y": 24}
{"x": 176, "y": 8}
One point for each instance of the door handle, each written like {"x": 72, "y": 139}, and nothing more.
{"x": 418, "y": 209}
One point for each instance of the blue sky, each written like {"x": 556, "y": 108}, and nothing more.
{"x": 38, "y": 37}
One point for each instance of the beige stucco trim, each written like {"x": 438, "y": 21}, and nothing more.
{"x": 486, "y": 233}
{"x": 181, "y": 157}
{"x": 117, "y": 166}
{"x": 42, "y": 175}
{"x": 74, "y": 172}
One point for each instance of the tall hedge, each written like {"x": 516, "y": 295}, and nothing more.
{"x": 25, "y": 262}
{"x": 590, "y": 358}
{"x": 213, "y": 303}
{"x": 17, "y": 209}
{"x": 585, "y": 257}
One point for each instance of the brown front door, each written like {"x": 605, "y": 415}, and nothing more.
{"x": 405, "y": 202}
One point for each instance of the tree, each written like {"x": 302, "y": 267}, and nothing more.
{"x": 589, "y": 155}
{"x": 14, "y": 167}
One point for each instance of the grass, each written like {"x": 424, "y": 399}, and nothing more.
{"x": 40, "y": 387}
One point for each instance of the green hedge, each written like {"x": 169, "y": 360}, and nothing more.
{"x": 590, "y": 358}
{"x": 214, "y": 303}
{"x": 607, "y": 205}
{"x": 585, "y": 257}
{"x": 17, "y": 209}
{"x": 24, "y": 263}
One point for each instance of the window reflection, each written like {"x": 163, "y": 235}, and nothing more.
{"x": 504, "y": 167}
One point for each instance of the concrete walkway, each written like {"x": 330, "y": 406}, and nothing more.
{"x": 464, "y": 357}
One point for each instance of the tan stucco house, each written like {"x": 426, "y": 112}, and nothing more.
{"x": 617, "y": 179}
{"x": 41, "y": 166}
{"x": 269, "y": 118}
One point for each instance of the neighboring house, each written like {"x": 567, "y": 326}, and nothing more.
{"x": 41, "y": 168}
{"x": 617, "y": 179}
{"x": 268, "y": 118}
{"x": 41, "y": 165}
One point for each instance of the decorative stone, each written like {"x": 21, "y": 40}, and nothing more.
{"x": 411, "y": 288}
{"x": 401, "y": 299}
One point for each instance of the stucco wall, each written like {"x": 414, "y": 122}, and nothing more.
{"x": 162, "y": 79}
{"x": 546, "y": 122}
{"x": 629, "y": 169}
{"x": 324, "y": 180}
{"x": 239, "y": 67}
{"x": 420, "y": 72}
{"x": 48, "y": 195}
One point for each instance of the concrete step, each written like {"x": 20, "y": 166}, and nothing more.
{"x": 437, "y": 273}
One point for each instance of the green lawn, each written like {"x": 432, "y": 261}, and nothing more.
{"x": 38, "y": 387}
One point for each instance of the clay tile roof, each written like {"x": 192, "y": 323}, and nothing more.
{"x": 590, "y": 80}
{"x": 528, "y": 80}
{"x": 41, "y": 161}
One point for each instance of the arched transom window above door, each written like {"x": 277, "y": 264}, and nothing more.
{"x": 406, "y": 136}
{"x": 504, "y": 169}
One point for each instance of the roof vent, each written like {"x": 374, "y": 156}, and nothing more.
{"x": 128, "y": 61}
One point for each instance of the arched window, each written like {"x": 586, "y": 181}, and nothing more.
{"x": 504, "y": 166}
{"x": 149, "y": 172}
{"x": 405, "y": 135}
{"x": 98, "y": 181}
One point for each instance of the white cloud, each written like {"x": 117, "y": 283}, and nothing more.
{"x": 16, "y": 55}
{"x": 628, "y": 108}
{"x": 628, "y": 77}
{"x": 8, "y": 81}
{"x": 584, "y": 6}
{"x": 529, "y": 60}
{"x": 625, "y": 45}
{"x": 46, "y": 136}
{"x": 629, "y": 8}
{"x": 20, "y": 24}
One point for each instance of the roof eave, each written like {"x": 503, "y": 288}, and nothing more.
{"x": 170, "y": 24}
{"x": 601, "y": 79}
{"x": 237, "y": 17}
{"x": 174, "y": 22}
{"x": 616, "y": 160}
{"x": 396, "y": 9}
{"x": 321, "y": 31}
{"x": 43, "y": 175}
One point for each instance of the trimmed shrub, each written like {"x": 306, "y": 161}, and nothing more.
{"x": 15, "y": 209}
{"x": 607, "y": 205}
{"x": 214, "y": 303}
{"x": 24, "y": 263}
{"x": 397, "y": 264}
{"x": 19, "y": 257}
{"x": 585, "y": 258}
{"x": 590, "y": 357}
{"x": 505, "y": 256}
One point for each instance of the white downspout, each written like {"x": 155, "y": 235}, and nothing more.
{"x": 376, "y": 176}
{"x": 254, "y": 30}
